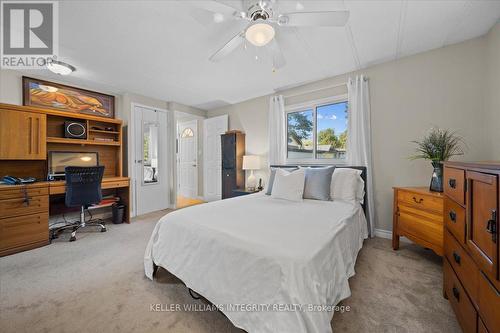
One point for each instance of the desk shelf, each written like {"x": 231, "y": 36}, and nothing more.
{"x": 82, "y": 142}
{"x": 102, "y": 131}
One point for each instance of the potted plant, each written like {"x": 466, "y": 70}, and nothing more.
{"x": 438, "y": 146}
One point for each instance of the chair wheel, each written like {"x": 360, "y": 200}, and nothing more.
{"x": 72, "y": 239}
{"x": 103, "y": 229}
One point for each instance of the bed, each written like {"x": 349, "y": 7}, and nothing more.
{"x": 269, "y": 265}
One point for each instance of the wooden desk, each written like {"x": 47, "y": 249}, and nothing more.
{"x": 24, "y": 217}
{"x": 120, "y": 184}
{"x": 24, "y": 211}
{"x": 27, "y": 135}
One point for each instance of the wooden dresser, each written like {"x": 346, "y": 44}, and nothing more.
{"x": 233, "y": 175}
{"x": 471, "y": 276}
{"x": 418, "y": 215}
{"x": 24, "y": 217}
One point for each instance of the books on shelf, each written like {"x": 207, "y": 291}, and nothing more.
{"x": 106, "y": 202}
{"x": 104, "y": 139}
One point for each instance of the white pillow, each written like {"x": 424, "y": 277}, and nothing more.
{"x": 347, "y": 185}
{"x": 289, "y": 185}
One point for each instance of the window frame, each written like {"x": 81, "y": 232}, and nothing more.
{"x": 313, "y": 105}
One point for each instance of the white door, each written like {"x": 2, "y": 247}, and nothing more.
{"x": 212, "y": 161}
{"x": 150, "y": 160}
{"x": 188, "y": 159}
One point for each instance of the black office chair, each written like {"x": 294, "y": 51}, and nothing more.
{"x": 83, "y": 188}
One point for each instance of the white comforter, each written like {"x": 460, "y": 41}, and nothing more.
{"x": 271, "y": 259}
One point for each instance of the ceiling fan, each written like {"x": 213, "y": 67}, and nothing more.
{"x": 263, "y": 19}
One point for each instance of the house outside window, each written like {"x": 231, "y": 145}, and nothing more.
{"x": 317, "y": 131}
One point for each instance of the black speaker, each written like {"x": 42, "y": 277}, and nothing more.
{"x": 75, "y": 130}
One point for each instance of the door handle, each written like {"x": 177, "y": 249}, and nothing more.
{"x": 453, "y": 216}
{"x": 138, "y": 161}
{"x": 456, "y": 257}
{"x": 419, "y": 201}
{"x": 491, "y": 226}
{"x": 452, "y": 182}
{"x": 456, "y": 293}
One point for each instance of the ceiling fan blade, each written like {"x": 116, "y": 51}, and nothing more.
{"x": 277, "y": 55}
{"x": 204, "y": 17}
{"x": 215, "y": 10}
{"x": 315, "y": 19}
{"x": 229, "y": 47}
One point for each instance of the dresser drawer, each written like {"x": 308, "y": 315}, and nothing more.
{"x": 21, "y": 191}
{"x": 420, "y": 201}
{"x": 454, "y": 184}
{"x": 454, "y": 219}
{"x": 460, "y": 302}
{"x": 17, "y": 207}
{"x": 420, "y": 227}
{"x": 481, "y": 328}
{"x": 24, "y": 230}
{"x": 489, "y": 304}
{"x": 462, "y": 264}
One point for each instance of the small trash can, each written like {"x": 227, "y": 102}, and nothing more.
{"x": 118, "y": 210}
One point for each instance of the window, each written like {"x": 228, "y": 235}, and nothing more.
{"x": 187, "y": 133}
{"x": 317, "y": 132}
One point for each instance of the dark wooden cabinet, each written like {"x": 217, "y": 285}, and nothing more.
{"x": 471, "y": 268}
{"x": 233, "y": 149}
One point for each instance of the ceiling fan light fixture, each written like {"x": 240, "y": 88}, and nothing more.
{"x": 60, "y": 67}
{"x": 259, "y": 34}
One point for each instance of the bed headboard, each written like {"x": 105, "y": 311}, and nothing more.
{"x": 362, "y": 168}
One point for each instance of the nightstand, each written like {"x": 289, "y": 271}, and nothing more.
{"x": 238, "y": 192}
{"x": 418, "y": 216}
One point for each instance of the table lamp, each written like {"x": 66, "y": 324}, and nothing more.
{"x": 251, "y": 162}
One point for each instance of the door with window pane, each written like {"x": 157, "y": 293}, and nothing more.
{"x": 151, "y": 184}
{"x": 317, "y": 133}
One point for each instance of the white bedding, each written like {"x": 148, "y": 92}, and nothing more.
{"x": 257, "y": 252}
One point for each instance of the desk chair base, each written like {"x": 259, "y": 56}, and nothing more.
{"x": 77, "y": 225}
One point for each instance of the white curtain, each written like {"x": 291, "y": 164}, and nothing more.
{"x": 359, "y": 141}
{"x": 277, "y": 131}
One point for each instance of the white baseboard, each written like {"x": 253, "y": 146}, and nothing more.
{"x": 387, "y": 234}
{"x": 383, "y": 233}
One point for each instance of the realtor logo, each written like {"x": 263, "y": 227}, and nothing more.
{"x": 29, "y": 33}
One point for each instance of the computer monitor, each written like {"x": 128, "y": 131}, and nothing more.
{"x": 58, "y": 160}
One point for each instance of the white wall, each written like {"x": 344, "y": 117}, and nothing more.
{"x": 251, "y": 117}
{"x": 443, "y": 87}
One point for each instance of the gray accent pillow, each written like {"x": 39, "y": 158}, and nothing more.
{"x": 317, "y": 183}
{"x": 271, "y": 179}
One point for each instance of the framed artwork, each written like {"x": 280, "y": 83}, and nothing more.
{"x": 55, "y": 96}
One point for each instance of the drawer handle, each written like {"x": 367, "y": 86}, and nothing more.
{"x": 491, "y": 226}
{"x": 456, "y": 257}
{"x": 456, "y": 293}
{"x": 419, "y": 201}
{"x": 453, "y": 216}
{"x": 452, "y": 182}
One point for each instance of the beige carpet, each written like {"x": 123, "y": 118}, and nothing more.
{"x": 97, "y": 284}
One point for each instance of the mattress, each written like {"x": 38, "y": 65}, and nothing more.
{"x": 269, "y": 265}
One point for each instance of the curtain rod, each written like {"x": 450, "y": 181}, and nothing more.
{"x": 319, "y": 89}
{"x": 314, "y": 90}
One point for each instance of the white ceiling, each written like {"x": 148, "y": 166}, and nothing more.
{"x": 157, "y": 48}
